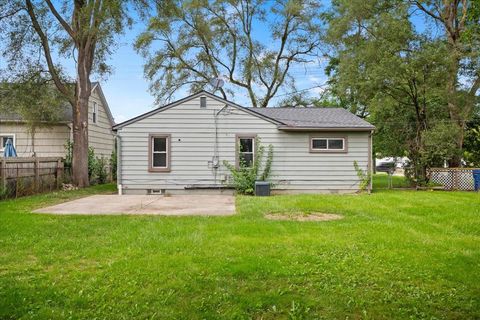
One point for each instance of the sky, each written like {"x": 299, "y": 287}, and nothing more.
{"x": 127, "y": 90}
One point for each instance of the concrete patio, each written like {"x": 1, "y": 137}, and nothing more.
{"x": 177, "y": 205}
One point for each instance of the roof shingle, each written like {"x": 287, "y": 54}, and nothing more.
{"x": 315, "y": 117}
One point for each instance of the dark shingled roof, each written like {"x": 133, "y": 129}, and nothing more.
{"x": 315, "y": 117}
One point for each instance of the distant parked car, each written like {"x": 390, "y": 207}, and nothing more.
{"x": 390, "y": 164}
{"x": 388, "y": 167}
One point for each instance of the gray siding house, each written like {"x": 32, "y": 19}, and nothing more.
{"x": 49, "y": 141}
{"x": 180, "y": 147}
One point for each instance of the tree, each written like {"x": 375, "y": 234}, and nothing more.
{"x": 460, "y": 22}
{"x": 472, "y": 142}
{"x": 382, "y": 68}
{"x": 195, "y": 41}
{"x": 43, "y": 34}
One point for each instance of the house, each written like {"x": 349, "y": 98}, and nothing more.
{"x": 50, "y": 140}
{"x": 180, "y": 147}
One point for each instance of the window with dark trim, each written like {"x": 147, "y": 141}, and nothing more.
{"x": 95, "y": 112}
{"x": 4, "y": 138}
{"x": 331, "y": 144}
{"x": 159, "y": 153}
{"x": 246, "y": 151}
{"x": 203, "y": 102}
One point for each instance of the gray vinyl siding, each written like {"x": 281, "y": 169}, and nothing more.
{"x": 192, "y": 131}
{"x": 100, "y": 135}
{"x": 48, "y": 141}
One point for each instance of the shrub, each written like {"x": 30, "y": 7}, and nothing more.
{"x": 113, "y": 164}
{"x": 4, "y": 193}
{"x": 92, "y": 162}
{"x": 100, "y": 170}
{"x": 244, "y": 177}
{"x": 68, "y": 154}
{"x": 363, "y": 176}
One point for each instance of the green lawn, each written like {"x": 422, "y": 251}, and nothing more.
{"x": 380, "y": 181}
{"x": 396, "y": 254}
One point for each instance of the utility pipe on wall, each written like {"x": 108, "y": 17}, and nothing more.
{"x": 119, "y": 165}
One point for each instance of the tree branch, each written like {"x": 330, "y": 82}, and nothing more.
{"x": 64, "y": 24}
{"x": 430, "y": 13}
{"x": 12, "y": 13}
{"x": 46, "y": 48}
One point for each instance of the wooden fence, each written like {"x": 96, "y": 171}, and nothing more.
{"x": 453, "y": 178}
{"x": 25, "y": 176}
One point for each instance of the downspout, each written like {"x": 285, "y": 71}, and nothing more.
{"x": 370, "y": 156}
{"x": 216, "y": 156}
{"x": 119, "y": 165}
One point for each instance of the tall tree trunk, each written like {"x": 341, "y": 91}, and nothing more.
{"x": 80, "y": 123}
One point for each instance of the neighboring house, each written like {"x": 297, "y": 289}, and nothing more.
{"x": 50, "y": 140}
{"x": 180, "y": 147}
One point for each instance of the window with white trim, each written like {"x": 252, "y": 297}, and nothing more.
{"x": 4, "y": 138}
{"x": 159, "y": 153}
{"x": 95, "y": 112}
{"x": 246, "y": 151}
{"x": 327, "y": 144}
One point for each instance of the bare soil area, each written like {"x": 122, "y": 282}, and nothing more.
{"x": 300, "y": 216}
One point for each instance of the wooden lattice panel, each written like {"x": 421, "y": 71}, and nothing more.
{"x": 453, "y": 178}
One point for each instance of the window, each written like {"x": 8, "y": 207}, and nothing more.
{"x": 159, "y": 153}
{"x": 203, "y": 102}
{"x": 327, "y": 144}
{"x": 246, "y": 151}
{"x": 95, "y": 112}
{"x": 4, "y": 138}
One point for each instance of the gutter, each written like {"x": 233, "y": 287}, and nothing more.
{"x": 290, "y": 128}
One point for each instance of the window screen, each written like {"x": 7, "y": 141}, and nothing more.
{"x": 322, "y": 144}
{"x": 159, "y": 152}
{"x": 246, "y": 151}
{"x": 94, "y": 113}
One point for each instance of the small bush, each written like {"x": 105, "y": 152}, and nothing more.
{"x": 363, "y": 176}
{"x": 244, "y": 177}
{"x": 68, "y": 154}
{"x": 4, "y": 194}
{"x": 92, "y": 162}
{"x": 100, "y": 170}
{"x": 113, "y": 164}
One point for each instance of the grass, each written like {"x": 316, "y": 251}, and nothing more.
{"x": 395, "y": 255}
{"x": 380, "y": 181}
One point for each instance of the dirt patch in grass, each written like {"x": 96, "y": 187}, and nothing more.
{"x": 300, "y": 216}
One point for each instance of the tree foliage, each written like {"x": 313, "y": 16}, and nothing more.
{"x": 459, "y": 22}
{"x": 472, "y": 142}
{"x": 42, "y": 35}
{"x": 187, "y": 43}
{"x": 33, "y": 98}
{"x": 382, "y": 67}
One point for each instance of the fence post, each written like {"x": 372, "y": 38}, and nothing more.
{"x": 455, "y": 180}
{"x": 36, "y": 170}
{"x": 3, "y": 174}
